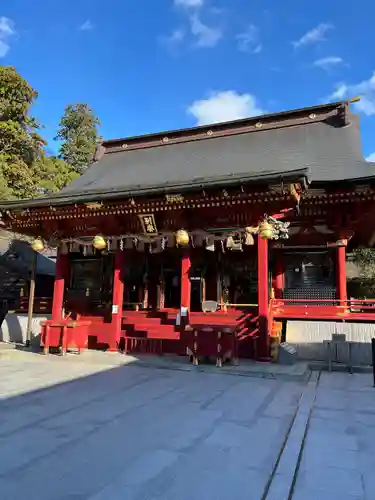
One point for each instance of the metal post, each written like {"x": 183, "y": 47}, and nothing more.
{"x": 31, "y": 299}
{"x": 373, "y": 358}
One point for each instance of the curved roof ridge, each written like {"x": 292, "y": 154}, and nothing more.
{"x": 281, "y": 118}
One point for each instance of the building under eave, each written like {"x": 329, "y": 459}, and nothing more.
{"x": 200, "y": 240}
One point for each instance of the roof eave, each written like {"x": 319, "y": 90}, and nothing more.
{"x": 298, "y": 175}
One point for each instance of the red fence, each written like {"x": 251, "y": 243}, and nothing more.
{"x": 351, "y": 309}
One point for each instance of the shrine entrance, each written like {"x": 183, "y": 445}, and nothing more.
{"x": 172, "y": 284}
{"x": 238, "y": 277}
{"x": 134, "y": 276}
{"x": 162, "y": 280}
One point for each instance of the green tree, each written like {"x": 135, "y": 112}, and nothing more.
{"x": 26, "y": 171}
{"x": 53, "y": 174}
{"x": 78, "y": 131}
{"x": 364, "y": 258}
{"x": 20, "y": 143}
{"x": 5, "y": 192}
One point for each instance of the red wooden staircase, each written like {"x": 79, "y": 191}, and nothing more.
{"x": 157, "y": 332}
{"x": 145, "y": 331}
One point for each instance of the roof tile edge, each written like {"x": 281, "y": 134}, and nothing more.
{"x": 281, "y": 119}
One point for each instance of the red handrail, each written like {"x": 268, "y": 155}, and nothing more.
{"x": 355, "y": 306}
{"x": 346, "y": 301}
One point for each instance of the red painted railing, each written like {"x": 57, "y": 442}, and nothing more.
{"x": 353, "y": 309}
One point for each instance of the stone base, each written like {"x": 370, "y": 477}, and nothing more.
{"x": 309, "y": 338}
{"x": 13, "y": 328}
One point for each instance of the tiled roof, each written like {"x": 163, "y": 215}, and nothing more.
{"x": 323, "y": 141}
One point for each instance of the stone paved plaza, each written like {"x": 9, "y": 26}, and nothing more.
{"x": 84, "y": 427}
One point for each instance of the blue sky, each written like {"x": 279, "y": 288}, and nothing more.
{"x": 151, "y": 65}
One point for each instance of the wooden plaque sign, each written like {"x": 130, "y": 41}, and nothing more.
{"x": 148, "y": 224}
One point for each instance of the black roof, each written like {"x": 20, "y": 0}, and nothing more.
{"x": 322, "y": 143}
{"x": 17, "y": 254}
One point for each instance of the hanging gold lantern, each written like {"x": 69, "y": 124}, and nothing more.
{"x": 265, "y": 230}
{"x": 38, "y": 245}
{"x": 99, "y": 242}
{"x": 182, "y": 237}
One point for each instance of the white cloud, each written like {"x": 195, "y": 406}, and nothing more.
{"x": 6, "y": 27}
{"x": 86, "y": 26}
{"x": 329, "y": 62}
{"x": 189, "y": 3}
{"x": 203, "y": 35}
{"x": 206, "y": 36}
{"x": 248, "y": 41}
{"x": 366, "y": 105}
{"x": 364, "y": 89}
{"x": 174, "y": 39}
{"x": 371, "y": 157}
{"x": 340, "y": 93}
{"x": 7, "y": 30}
{"x": 4, "y": 48}
{"x": 224, "y": 106}
{"x": 317, "y": 34}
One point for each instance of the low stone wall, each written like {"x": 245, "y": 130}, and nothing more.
{"x": 14, "y": 326}
{"x": 308, "y": 338}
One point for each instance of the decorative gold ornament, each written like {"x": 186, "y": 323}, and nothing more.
{"x": 265, "y": 230}
{"x": 355, "y": 99}
{"x": 174, "y": 198}
{"x": 182, "y": 237}
{"x": 94, "y": 206}
{"x": 99, "y": 243}
{"x": 38, "y": 245}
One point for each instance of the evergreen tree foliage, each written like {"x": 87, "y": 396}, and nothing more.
{"x": 78, "y": 131}
{"x": 26, "y": 168}
{"x": 53, "y": 174}
{"x": 364, "y": 258}
{"x": 20, "y": 143}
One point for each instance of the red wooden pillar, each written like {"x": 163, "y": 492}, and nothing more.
{"x": 185, "y": 280}
{"x": 263, "y": 299}
{"x": 61, "y": 276}
{"x": 279, "y": 279}
{"x": 341, "y": 275}
{"x": 117, "y": 300}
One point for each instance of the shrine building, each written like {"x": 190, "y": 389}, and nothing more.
{"x": 199, "y": 241}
